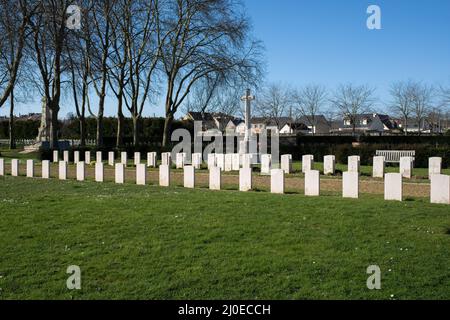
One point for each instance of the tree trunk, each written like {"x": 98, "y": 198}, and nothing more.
{"x": 12, "y": 138}
{"x": 82, "y": 131}
{"x": 99, "y": 131}
{"x": 167, "y": 128}
{"x": 120, "y": 121}
{"x": 54, "y": 126}
{"x": 135, "y": 131}
{"x": 406, "y": 126}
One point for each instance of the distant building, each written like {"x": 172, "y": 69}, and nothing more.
{"x": 372, "y": 123}
{"x": 316, "y": 125}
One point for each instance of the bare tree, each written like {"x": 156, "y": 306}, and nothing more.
{"x": 352, "y": 101}
{"x": 274, "y": 102}
{"x": 207, "y": 36}
{"x": 310, "y": 102}
{"x": 402, "y": 101}
{"x": 422, "y": 100}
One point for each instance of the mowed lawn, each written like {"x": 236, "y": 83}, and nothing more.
{"x": 135, "y": 242}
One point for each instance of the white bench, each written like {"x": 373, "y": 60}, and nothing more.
{"x": 393, "y": 156}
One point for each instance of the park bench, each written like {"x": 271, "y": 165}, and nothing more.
{"x": 393, "y": 156}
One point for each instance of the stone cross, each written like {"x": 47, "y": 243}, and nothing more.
{"x": 248, "y": 98}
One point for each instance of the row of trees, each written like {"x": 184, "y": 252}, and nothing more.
{"x": 409, "y": 101}
{"x": 135, "y": 51}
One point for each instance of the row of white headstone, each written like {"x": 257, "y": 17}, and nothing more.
{"x": 151, "y": 158}
{"x": 393, "y": 182}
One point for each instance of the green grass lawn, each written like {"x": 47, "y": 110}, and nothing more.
{"x": 137, "y": 242}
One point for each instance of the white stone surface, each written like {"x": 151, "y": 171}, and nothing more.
{"x": 440, "y": 189}
{"x": 2, "y": 167}
{"x": 99, "y": 172}
{"x": 66, "y": 156}
{"x": 15, "y": 171}
{"x": 197, "y": 160}
{"x": 98, "y": 157}
{"x": 45, "y": 169}
{"x": 30, "y": 168}
{"x": 378, "y": 167}
{"x": 62, "y": 170}
{"x": 393, "y": 186}
{"x": 406, "y": 167}
{"x": 124, "y": 158}
{"x": 245, "y": 179}
{"x": 55, "y": 156}
{"x": 215, "y": 178}
{"x": 189, "y": 177}
{"x": 246, "y": 160}
{"x": 137, "y": 158}
{"x": 434, "y": 166}
{"x": 152, "y": 160}
{"x": 76, "y": 157}
{"x": 141, "y": 174}
{"x": 180, "y": 160}
{"x": 307, "y": 163}
{"x": 87, "y": 157}
{"x": 164, "y": 175}
{"x": 286, "y": 163}
{"x": 353, "y": 163}
{"x": 350, "y": 185}
{"x": 120, "y": 173}
{"x": 329, "y": 165}
{"x": 266, "y": 164}
{"x": 211, "y": 160}
{"x": 277, "y": 181}
{"x": 81, "y": 171}
{"x": 220, "y": 161}
{"x": 166, "y": 159}
{"x": 236, "y": 162}
{"x": 312, "y": 183}
{"x": 111, "y": 158}
{"x": 228, "y": 162}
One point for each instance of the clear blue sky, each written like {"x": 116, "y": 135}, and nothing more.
{"x": 327, "y": 42}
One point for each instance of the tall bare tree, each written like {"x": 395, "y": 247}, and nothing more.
{"x": 402, "y": 101}
{"x": 352, "y": 100}
{"x": 422, "y": 102}
{"x": 310, "y": 102}
{"x": 274, "y": 102}
{"x": 207, "y": 36}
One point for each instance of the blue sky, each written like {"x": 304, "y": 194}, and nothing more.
{"x": 327, "y": 42}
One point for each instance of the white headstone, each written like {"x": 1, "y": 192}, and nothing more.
{"x": 215, "y": 179}
{"x": 166, "y": 159}
{"x": 434, "y": 166}
{"x": 266, "y": 163}
{"x": 2, "y": 167}
{"x": 307, "y": 163}
{"x": 246, "y": 160}
{"x": 236, "y": 162}
{"x": 245, "y": 179}
{"x": 76, "y": 157}
{"x": 197, "y": 160}
{"x": 111, "y": 158}
{"x": 15, "y": 167}
{"x": 228, "y": 162}
{"x": 350, "y": 185}
{"x": 164, "y": 175}
{"x": 329, "y": 165}
{"x": 151, "y": 159}
{"x": 312, "y": 183}
{"x": 220, "y": 161}
{"x": 440, "y": 189}
{"x": 62, "y": 170}
{"x": 141, "y": 174}
{"x": 180, "y": 160}
{"x": 378, "y": 167}
{"x": 393, "y": 186}
{"x": 45, "y": 169}
{"x": 211, "y": 160}
{"x": 120, "y": 173}
{"x": 99, "y": 172}
{"x": 189, "y": 177}
{"x": 137, "y": 158}
{"x": 87, "y": 157}
{"x": 353, "y": 163}
{"x": 124, "y": 158}
{"x": 30, "y": 168}
{"x": 55, "y": 156}
{"x": 277, "y": 181}
{"x": 81, "y": 171}
{"x": 98, "y": 157}
{"x": 66, "y": 156}
{"x": 406, "y": 167}
{"x": 286, "y": 163}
